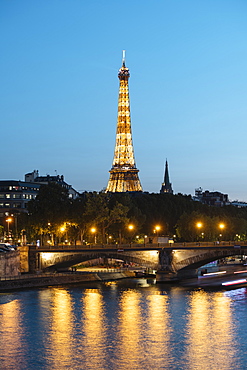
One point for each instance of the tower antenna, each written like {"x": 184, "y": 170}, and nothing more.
{"x": 124, "y": 58}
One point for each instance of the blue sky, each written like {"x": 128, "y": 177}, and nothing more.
{"x": 188, "y": 90}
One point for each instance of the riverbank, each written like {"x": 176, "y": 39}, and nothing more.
{"x": 44, "y": 280}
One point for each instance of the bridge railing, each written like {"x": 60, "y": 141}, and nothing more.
{"x": 148, "y": 246}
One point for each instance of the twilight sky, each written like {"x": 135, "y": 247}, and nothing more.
{"x": 59, "y": 61}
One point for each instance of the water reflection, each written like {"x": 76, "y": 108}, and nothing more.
{"x": 210, "y": 332}
{"x": 93, "y": 324}
{"x": 130, "y": 327}
{"x": 61, "y": 342}
{"x": 123, "y": 325}
{"x": 159, "y": 331}
{"x": 11, "y": 334}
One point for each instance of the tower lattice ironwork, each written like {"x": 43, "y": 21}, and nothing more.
{"x": 123, "y": 174}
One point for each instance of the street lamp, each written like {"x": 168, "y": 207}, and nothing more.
{"x": 93, "y": 231}
{"x": 62, "y": 229}
{"x": 131, "y": 228}
{"x": 199, "y": 225}
{"x": 221, "y": 226}
{"x": 8, "y": 220}
{"x": 157, "y": 229}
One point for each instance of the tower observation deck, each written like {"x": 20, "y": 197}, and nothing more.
{"x": 123, "y": 174}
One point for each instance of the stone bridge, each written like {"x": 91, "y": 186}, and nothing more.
{"x": 173, "y": 261}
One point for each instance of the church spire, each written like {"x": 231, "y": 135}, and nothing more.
{"x": 123, "y": 174}
{"x": 166, "y": 185}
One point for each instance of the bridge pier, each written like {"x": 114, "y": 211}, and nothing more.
{"x": 166, "y": 272}
{"x": 163, "y": 276}
{"x": 34, "y": 260}
{"x": 187, "y": 274}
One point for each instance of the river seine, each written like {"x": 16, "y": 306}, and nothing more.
{"x": 128, "y": 324}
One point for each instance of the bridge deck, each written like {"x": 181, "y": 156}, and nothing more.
{"x": 141, "y": 247}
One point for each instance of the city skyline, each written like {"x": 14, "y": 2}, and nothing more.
{"x": 188, "y": 81}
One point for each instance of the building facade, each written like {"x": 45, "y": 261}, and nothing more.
{"x": 211, "y": 198}
{"x": 34, "y": 178}
{"x": 14, "y": 196}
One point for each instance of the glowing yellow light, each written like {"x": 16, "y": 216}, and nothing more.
{"x": 130, "y": 227}
{"x": 9, "y": 220}
{"x": 62, "y": 229}
{"x": 46, "y": 256}
{"x": 157, "y": 228}
{"x": 199, "y": 224}
{"x": 221, "y": 226}
{"x": 93, "y": 230}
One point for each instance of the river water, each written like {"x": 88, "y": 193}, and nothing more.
{"x": 129, "y": 324}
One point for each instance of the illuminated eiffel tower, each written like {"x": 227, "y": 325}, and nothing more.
{"x": 123, "y": 174}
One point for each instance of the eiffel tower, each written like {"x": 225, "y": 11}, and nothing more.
{"x": 123, "y": 174}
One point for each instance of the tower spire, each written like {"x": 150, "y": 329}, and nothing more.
{"x": 123, "y": 61}
{"x": 123, "y": 174}
{"x": 166, "y": 185}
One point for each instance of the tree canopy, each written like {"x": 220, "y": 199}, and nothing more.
{"x": 53, "y": 212}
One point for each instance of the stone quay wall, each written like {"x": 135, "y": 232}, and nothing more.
{"x": 45, "y": 280}
{"x": 10, "y": 264}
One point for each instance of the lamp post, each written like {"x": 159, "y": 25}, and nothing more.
{"x": 93, "y": 231}
{"x": 222, "y": 227}
{"x": 8, "y": 220}
{"x": 157, "y": 229}
{"x": 62, "y": 229}
{"x": 131, "y": 228}
{"x": 199, "y": 226}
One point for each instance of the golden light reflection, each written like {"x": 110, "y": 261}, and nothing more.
{"x": 158, "y": 331}
{"x": 11, "y": 334}
{"x": 130, "y": 327}
{"x": 93, "y": 324}
{"x": 209, "y": 332}
{"x": 62, "y": 328}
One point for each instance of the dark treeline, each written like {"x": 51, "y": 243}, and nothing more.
{"x": 105, "y": 217}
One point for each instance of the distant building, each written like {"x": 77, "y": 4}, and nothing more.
{"x": 211, "y": 198}
{"x": 14, "y": 196}
{"x": 33, "y": 177}
{"x": 238, "y": 204}
{"x": 166, "y": 185}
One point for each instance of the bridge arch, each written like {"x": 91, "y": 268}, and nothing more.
{"x": 52, "y": 261}
{"x": 197, "y": 259}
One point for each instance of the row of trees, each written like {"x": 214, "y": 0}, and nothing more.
{"x": 54, "y": 217}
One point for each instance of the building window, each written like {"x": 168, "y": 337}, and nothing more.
{"x": 7, "y": 196}
{"x": 1, "y": 205}
{"x": 16, "y": 196}
{"x": 16, "y": 205}
{"x": 2, "y": 196}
